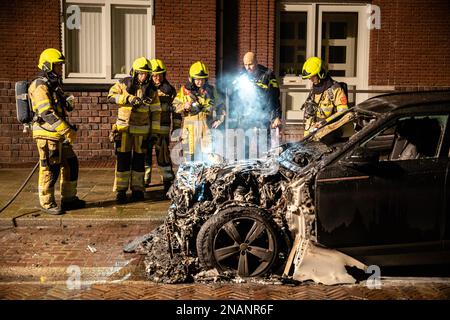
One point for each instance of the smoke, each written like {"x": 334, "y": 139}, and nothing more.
{"x": 248, "y": 104}
{"x": 244, "y": 134}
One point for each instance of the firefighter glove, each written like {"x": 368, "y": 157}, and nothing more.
{"x": 136, "y": 102}
{"x": 70, "y": 102}
{"x": 70, "y": 136}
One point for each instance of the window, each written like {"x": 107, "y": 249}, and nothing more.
{"x": 409, "y": 138}
{"x": 336, "y": 33}
{"x": 292, "y": 42}
{"x": 112, "y": 34}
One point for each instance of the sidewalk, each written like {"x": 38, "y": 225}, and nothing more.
{"x": 94, "y": 186}
{"x": 40, "y": 249}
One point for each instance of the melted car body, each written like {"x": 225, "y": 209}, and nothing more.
{"x": 368, "y": 188}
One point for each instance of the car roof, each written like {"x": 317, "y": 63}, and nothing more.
{"x": 395, "y": 101}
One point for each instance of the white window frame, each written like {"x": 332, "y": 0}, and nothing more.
{"x": 106, "y": 77}
{"x": 310, "y": 18}
{"x": 313, "y": 48}
{"x": 361, "y": 78}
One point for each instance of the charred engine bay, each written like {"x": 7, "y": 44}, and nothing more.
{"x": 276, "y": 188}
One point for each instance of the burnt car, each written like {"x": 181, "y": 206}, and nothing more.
{"x": 369, "y": 188}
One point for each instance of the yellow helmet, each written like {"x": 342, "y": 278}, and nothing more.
{"x": 158, "y": 66}
{"x": 140, "y": 64}
{"x": 314, "y": 66}
{"x": 48, "y": 57}
{"x": 198, "y": 71}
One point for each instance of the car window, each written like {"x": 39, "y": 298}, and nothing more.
{"x": 416, "y": 137}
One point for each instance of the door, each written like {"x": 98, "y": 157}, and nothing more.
{"x": 395, "y": 202}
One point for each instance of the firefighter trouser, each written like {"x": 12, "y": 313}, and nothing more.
{"x": 196, "y": 140}
{"x": 130, "y": 167}
{"x": 55, "y": 158}
{"x": 161, "y": 144}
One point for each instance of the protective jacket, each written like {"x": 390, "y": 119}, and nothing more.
{"x": 197, "y": 120}
{"x": 330, "y": 99}
{"x": 134, "y": 120}
{"x": 162, "y": 118}
{"x": 49, "y": 105}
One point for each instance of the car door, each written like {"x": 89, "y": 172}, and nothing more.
{"x": 393, "y": 204}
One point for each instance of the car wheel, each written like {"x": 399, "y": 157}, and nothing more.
{"x": 238, "y": 239}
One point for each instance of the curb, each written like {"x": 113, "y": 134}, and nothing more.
{"x": 58, "y": 222}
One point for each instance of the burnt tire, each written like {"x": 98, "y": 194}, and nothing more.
{"x": 241, "y": 240}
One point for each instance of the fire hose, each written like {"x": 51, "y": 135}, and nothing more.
{"x": 74, "y": 127}
{"x": 20, "y": 189}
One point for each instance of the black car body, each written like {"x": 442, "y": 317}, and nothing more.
{"x": 379, "y": 194}
{"x": 379, "y": 206}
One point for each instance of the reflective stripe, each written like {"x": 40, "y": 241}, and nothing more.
{"x": 44, "y": 108}
{"x": 121, "y": 181}
{"x": 164, "y": 128}
{"x": 137, "y": 181}
{"x": 139, "y": 129}
{"x": 155, "y": 108}
{"x": 262, "y": 85}
{"x": 342, "y": 108}
{"x": 274, "y": 83}
{"x": 42, "y": 105}
{"x": 39, "y": 132}
{"x": 190, "y": 129}
{"x": 156, "y": 125}
{"x": 121, "y": 127}
{"x": 148, "y": 174}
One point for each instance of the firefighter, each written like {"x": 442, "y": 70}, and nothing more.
{"x": 267, "y": 91}
{"x": 327, "y": 97}
{"x": 135, "y": 97}
{"x": 199, "y": 104}
{"x": 54, "y": 135}
{"x": 163, "y": 121}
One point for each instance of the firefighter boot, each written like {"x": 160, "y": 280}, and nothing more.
{"x": 137, "y": 195}
{"x": 74, "y": 204}
{"x": 121, "y": 196}
{"x": 167, "y": 185}
{"x": 53, "y": 209}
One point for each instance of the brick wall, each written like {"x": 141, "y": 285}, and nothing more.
{"x": 412, "y": 48}
{"x": 256, "y": 21}
{"x": 23, "y": 35}
{"x": 181, "y": 29}
{"x": 185, "y": 32}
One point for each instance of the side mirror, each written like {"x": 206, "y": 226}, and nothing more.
{"x": 361, "y": 157}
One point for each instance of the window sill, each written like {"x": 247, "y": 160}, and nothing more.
{"x": 90, "y": 87}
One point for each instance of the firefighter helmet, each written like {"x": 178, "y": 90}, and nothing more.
{"x": 157, "y": 66}
{"x": 49, "y": 57}
{"x": 140, "y": 64}
{"x": 198, "y": 71}
{"x": 314, "y": 66}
